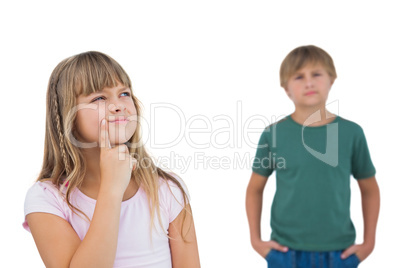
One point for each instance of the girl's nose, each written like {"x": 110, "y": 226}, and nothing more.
{"x": 116, "y": 108}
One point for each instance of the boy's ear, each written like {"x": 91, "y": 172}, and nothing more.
{"x": 332, "y": 81}
{"x": 286, "y": 91}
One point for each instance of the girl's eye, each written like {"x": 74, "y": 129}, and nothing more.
{"x": 124, "y": 94}
{"x": 98, "y": 98}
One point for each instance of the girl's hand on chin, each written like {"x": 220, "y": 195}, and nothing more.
{"x": 116, "y": 164}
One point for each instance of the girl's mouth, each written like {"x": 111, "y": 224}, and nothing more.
{"x": 118, "y": 119}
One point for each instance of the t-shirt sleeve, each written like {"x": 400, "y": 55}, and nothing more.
{"x": 173, "y": 198}
{"x": 362, "y": 166}
{"x": 262, "y": 162}
{"x": 43, "y": 197}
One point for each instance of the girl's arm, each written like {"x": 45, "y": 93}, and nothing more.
{"x": 184, "y": 252}
{"x": 57, "y": 242}
{"x": 54, "y": 237}
{"x": 60, "y": 246}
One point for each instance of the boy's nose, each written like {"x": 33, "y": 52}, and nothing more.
{"x": 116, "y": 108}
{"x": 309, "y": 82}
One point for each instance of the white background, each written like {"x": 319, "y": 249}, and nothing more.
{"x": 204, "y": 57}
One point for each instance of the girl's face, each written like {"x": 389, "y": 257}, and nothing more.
{"x": 115, "y": 105}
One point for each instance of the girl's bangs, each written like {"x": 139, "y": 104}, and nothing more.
{"x": 94, "y": 71}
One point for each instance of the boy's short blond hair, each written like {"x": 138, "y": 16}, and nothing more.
{"x": 302, "y": 56}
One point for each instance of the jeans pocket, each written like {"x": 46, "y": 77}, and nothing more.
{"x": 279, "y": 259}
{"x": 356, "y": 258}
{"x": 351, "y": 262}
{"x": 269, "y": 254}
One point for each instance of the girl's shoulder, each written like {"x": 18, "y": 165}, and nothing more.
{"x": 44, "y": 196}
{"x": 44, "y": 191}
{"x": 173, "y": 187}
{"x": 42, "y": 186}
{"x": 173, "y": 196}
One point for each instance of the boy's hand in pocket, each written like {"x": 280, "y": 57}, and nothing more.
{"x": 362, "y": 251}
{"x": 264, "y": 247}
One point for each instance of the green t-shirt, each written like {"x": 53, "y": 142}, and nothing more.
{"x": 311, "y": 207}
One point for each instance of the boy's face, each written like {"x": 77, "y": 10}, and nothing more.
{"x": 309, "y": 87}
{"x": 116, "y": 106}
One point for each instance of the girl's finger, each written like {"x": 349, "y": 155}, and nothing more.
{"x": 104, "y": 135}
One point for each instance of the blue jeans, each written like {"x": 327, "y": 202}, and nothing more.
{"x": 308, "y": 259}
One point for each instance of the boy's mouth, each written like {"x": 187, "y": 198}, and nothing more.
{"x": 310, "y": 93}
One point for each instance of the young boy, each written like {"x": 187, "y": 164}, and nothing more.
{"x": 310, "y": 213}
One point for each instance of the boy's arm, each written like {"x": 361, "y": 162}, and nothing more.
{"x": 370, "y": 194}
{"x": 254, "y": 198}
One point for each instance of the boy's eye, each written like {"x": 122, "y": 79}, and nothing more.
{"x": 317, "y": 74}
{"x": 298, "y": 77}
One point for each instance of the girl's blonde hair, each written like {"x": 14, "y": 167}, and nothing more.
{"x": 63, "y": 161}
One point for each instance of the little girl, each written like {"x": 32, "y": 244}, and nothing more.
{"x": 99, "y": 200}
